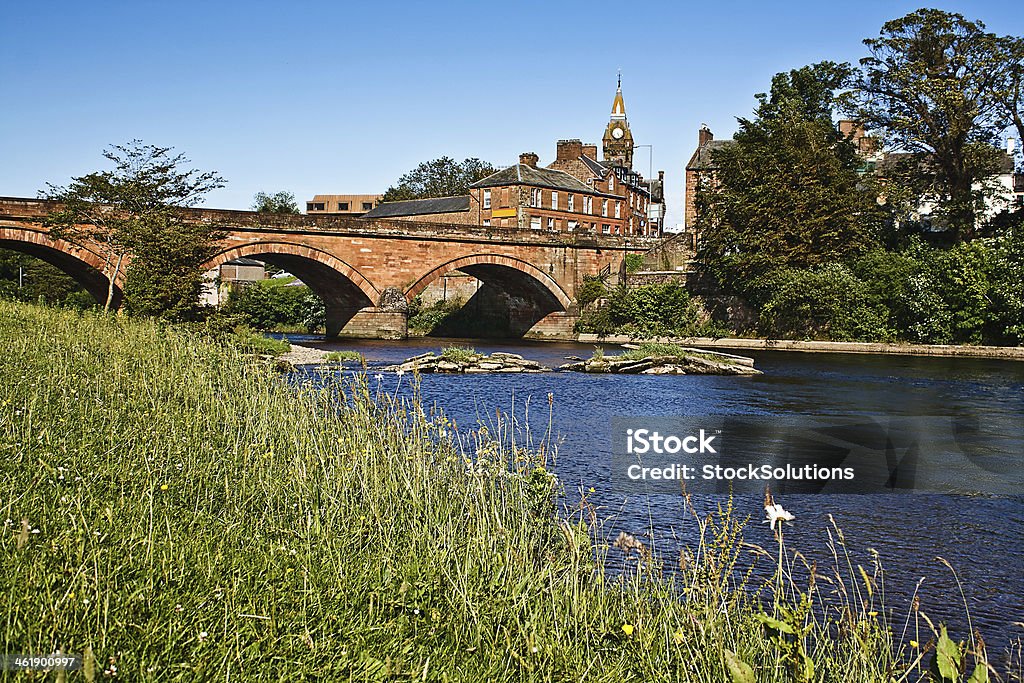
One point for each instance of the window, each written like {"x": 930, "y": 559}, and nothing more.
{"x": 618, "y": 210}
{"x": 487, "y": 222}
{"x": 551, "y": 224}
{"x": 606, "y": 229}
{"x": 554, "y": 200}
{"x": 343, "y": 206}
{"x": 536, "y": 198}
{"x": 604, "y": 208}
{"x": 535, "y": 223}
{"x": 611, "y": 183}
{"x": 571, "y": 225}
{"x": 487, "y": 199}
{"x": 588, "y": 205}
{"x": 315, "y": 206}
{"x": 367, "y": 206}
{"x": 571, "y": 201}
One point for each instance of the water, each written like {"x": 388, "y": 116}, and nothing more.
{"x": 980, "y": 536}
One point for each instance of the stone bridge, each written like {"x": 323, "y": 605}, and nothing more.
{"x": 366, "y": 271}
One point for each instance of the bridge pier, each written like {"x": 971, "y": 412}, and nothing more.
{"x": 367, "y": 323}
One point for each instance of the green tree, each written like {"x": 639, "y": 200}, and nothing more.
{"x": 279, "y": 202}
{"x": 442, "y": 177}
{"x": 788, "y": 192}
{"x": 135, "y": 213}
{"x": 942, "y": 87}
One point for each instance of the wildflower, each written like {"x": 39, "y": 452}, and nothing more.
{"x": 379, "y": 377}
{"x": 591, "y": 490}
{"x": 914, "y": 644}
{"x": 627, "y": 629}
{"x": 678, "y": 636}
{"x": 533, "y": 649}
{"x": 163, "y": 487}
{"x": 399, "y": 373}
{"x": 203, "y": 635}
{"x": 776, "y": 513}
{"x": 872, "y": 614}
{"x": 178, "y": 608}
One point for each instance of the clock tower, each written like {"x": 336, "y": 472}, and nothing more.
{"x": 618, "y": 141}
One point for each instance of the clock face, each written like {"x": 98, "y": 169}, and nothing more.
{"x": 616, "y": 133}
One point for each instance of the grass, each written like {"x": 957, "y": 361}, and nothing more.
{"x": 648, "y": 349}
{"x": 344, "y": 356}
{"x": 173, "y": 509}
{"x": 459, "y": 354}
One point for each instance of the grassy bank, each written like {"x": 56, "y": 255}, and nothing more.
{"x": 177, "y": 512}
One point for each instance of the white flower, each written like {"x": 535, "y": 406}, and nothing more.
{"x": 776, "y": 513}
{"x": 379, "y": 377}
{"x": 399, "y": 373}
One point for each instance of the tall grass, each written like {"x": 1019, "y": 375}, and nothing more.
{"x": 179, "y": 512}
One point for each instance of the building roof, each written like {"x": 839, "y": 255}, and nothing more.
{"x": 702, "y": 157}
{"x": 243, "y": 262}
{"x": 521, "y": 174}
{"x": 420, "y": 207}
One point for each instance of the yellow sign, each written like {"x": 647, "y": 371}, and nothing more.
{"x": 503, "y": 213}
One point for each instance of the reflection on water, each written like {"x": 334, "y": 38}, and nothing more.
{"x": 980, "y": 536}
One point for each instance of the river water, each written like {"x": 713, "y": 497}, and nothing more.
{"x": 980, "y": 535}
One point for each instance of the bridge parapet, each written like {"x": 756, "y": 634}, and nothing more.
{"x": 230, "y": 220}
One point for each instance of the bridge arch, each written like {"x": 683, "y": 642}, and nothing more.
{"x": 487, "y": 267}
{"x": 84, "y": 265}
{"x": 514, "y": 296}
{"x": 343, "y": 289}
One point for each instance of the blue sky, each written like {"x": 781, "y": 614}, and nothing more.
{"x": 334, "y": 97}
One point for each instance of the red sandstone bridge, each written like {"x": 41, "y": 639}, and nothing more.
{"x": 367, "y": 270}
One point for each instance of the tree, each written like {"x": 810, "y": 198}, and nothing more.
{"x": 942, "y": 87}
{"x": 787, "y": 192}
{"x": 442, "y": 177}
{"x": 134, "y": 213}
{"x": 279, "y": 202}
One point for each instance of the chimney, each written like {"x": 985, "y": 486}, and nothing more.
{"x": 590, "y": 151}
{"x": 529, "y": 159}
{"x": 704, "y": 135}
{"x": 568, "y": 150}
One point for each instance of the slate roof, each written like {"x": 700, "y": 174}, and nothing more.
{"x": 702, "y": 157}
{"x": 521, "y": 174}
{"x": 419, "y": 207}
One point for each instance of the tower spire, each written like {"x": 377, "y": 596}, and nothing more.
{"x": 618, "y": 105}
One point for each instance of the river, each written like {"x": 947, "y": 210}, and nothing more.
{"x": 979, "y": 535}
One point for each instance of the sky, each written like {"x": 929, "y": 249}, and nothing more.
{"x": 339, "y": 97}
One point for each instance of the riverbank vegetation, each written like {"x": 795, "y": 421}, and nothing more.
{"x": 813, "y": 234}
{"x": 175, "y": 511}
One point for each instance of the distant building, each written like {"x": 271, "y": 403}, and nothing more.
{"x": 231, "y": 275}
{"x": 342, "y": 204}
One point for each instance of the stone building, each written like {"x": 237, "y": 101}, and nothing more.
{"x": 526, "y": 196}
{"x": 575, "y": 193}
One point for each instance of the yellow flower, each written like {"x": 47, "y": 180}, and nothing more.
{"x": 914, "y": 644}
{"x": 678, "y": 636}
{"x": 591, "y": 489}
{"x": 627, "y": 629}
{"x": 163, "y": 487}
{"x": 872, "y": 614}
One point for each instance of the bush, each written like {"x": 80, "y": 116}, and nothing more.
{"x": 824, "y": 302}
{"x": 649, "y": 311}
{"x": 268, "y": 305}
